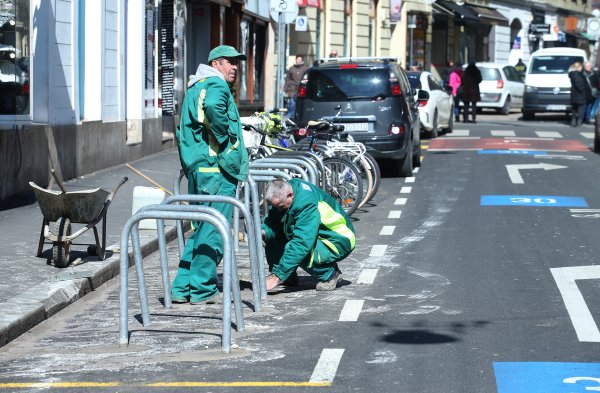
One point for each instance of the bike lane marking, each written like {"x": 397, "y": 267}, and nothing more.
{"x": 351, "y": 310}
{"x": 400, "y": 201}
{"x": 327, "y": 365}
{"x": 532, "y": 200}
{"x": 405, "y": 190}
{"x": 503, "y": 133}
{"x": 378, "y": 250}
{"x": 447, "y": 144}
{"x": 367, "y": 276}
{"x": 548, "y": 134}
{"x": 395, "y": 214}
{"x": 387, "y": 230}
{"x": 581, "y": 317}
{"x": 546, "y": 377}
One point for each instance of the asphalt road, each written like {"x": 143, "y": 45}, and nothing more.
{"x": 476, "y": 275}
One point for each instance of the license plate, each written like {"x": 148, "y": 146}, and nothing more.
{"x": 556, "y": 107}
{"x": 356, "y": 126}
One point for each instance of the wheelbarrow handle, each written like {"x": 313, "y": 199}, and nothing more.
{"x": 114, "y": 191}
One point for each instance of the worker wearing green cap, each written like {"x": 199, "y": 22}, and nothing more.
{"x": 213, "y": 156}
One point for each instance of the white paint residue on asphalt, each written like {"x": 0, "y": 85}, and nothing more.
{"x": 378, "y": 250}
{"x": 327, "y": 365}
{"x": 387, "y": 230}
{"x": 351, "y": 310}
{"x": 381, "y": 357}
{"x": 367, "y": 276}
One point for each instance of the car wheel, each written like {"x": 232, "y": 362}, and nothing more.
{"x": 597, "y": 139}
{"x": 505, "y": 110}
{"x": 417, "y": 156}
{"x": 406, "y": 165}
{"x": 434, "y": 127}
{"x": 528, "y": 115}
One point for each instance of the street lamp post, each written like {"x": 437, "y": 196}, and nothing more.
{"x": 412, "y": 24}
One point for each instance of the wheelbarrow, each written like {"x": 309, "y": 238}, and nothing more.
{"x": 64, "y": 208}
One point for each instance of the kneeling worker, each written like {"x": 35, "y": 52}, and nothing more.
{"x": 306, "y": 228}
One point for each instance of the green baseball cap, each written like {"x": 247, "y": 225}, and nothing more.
{"x": 225, "y": 51}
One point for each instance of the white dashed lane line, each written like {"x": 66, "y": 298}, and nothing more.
{"x": 400, "y": 201}
{"x": 416, "y": 170}
{"x": 405, "y": 190}
{"x": 351, "y": 310}
{"x": 327, "y": 365}
{"x": 587, "y": 135}
{"x": 387, "y": 230}
{"x": 548, "y": 134}
{"x": 378, "y": 250}
{"x": 395, "y": 214}
{"x": 503, "y": 133}
{"x": 367, "y": 276}
{"x": 410, "y": 179}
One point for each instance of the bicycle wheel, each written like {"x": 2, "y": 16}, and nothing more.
{"x": 376, "y": 171}
{"x": 343, "y": 183}
{"x": 366, "y": 176}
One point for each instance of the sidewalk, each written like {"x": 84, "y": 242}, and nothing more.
{"x": 31, "y": 289}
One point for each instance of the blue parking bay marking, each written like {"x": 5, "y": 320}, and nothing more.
{"x": 514, "y": 152}
{"x": 532, "y": 200}
{"x": 547, "y": 377}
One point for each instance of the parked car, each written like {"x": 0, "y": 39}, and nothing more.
{"x": 501, "y": 87}
{"x": 378, "y": 106}
{"x": 437, "y": 113}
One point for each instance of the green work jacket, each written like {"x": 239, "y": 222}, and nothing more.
{"x": 314, "y": 215}
{"x": 210, "y": 131}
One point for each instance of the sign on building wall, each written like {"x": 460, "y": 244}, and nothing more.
{"x": 395, "y": 11}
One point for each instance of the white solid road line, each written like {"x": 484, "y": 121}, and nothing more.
{"x": 367, "y": 276}
{"x": 387, "y": 230}
{"x": 405, "y": 190}
{"x": 395, "y": 214}
{"x": 581, "y": 317}
{"x": 327, "y": 365}
{"x": 351, "y": 310}
{"x": 584, "y": 210}
{"x": 410, "y": 179}
{"x": 378, "y": 250}
{"x": 400, "y": 201}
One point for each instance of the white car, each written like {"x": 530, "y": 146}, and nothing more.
{"x": 437, "y": 113}
{"x": 501, "y": 89}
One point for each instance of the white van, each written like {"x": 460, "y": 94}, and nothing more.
{"x": 547, "y": 84}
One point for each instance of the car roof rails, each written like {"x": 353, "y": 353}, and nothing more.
{"x": 385, "y": 59}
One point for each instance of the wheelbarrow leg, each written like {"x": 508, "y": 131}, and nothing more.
{"x": 41, "y": 243}
{"x": 102, "y": 253}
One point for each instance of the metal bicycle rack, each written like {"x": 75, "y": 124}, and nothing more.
{"x": 254, "y": 239}
{"x": 170, "y": 212}
{"x": 310, "y": 168}
{"x": 282, "y": 165}
{"x": 309, "y": 156}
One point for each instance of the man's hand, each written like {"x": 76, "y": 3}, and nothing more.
{"x": 272, "y": 281}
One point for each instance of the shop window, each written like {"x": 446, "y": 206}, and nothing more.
{"x": 151, "y": 89}
{"x": 250, "y": 79}
{"x": 14, "y": 57}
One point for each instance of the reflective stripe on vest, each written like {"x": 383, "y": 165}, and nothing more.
{"x": 335, "y": 222}
{"x": 214, "y": 169}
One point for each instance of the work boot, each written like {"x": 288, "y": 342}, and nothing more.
{"x": 330, "y": 284}
{"x": 217, "y": 299}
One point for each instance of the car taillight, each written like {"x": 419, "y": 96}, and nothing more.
{"x": 500, "y": 84}
{"x": 351, "y": 65}
{"x": 396, "y": 130}
{"x": 302, "y": 91}
{"x": 25, "y": 88}
{"x": 300, "y": 132}
{"x": 396, "y": 89}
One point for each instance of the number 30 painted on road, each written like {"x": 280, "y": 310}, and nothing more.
{"x": 534, "y": 200}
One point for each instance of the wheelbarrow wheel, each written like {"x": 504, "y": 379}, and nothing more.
{"x": 61, "y": 249}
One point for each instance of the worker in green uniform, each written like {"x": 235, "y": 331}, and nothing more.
{"x": 213, "y": 156}
{"x": 305, "y": 227}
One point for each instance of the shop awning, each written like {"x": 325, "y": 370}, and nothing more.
{"x": 461, "y": 12}
{"x": 489, "y": 15}
{"x": 438, "y": 9}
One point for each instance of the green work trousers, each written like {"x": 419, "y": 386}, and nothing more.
{"x": 321, "y": 267}
{"x": 196, "y": 278}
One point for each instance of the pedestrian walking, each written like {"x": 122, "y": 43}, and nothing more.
{"x": 292, "y": 80}
{"x": 305, "y": 227}
{"x": 581, "y": 93}
{"x": 592, "y": 105}
{"x": 449, "y": 69}
{"x": 521, "y": 68}
{"x": 455, "y": 82}
{"x": 471, "y": 78}
{"x": 213, "y": 157}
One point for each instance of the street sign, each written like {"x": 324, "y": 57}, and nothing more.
{"x": 539, "y": 28}
{"x": 288, "y": 9}
{"x": 302, "y": 23}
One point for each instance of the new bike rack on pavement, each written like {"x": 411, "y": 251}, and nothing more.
{"x": 309, "y": 156}
{"x": 281, "y": 164}
{"x": 311, "y": 170}
{"x": 207, "y": 214}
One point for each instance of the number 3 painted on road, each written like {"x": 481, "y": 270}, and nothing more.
{"x": 589, "y": 388}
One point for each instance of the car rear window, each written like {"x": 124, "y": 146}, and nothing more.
{"x": 414, "y": 78}
{"x": 553, "y": 64}
{"x": 490, "y": 74}
{"x": 341, "y": 84}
